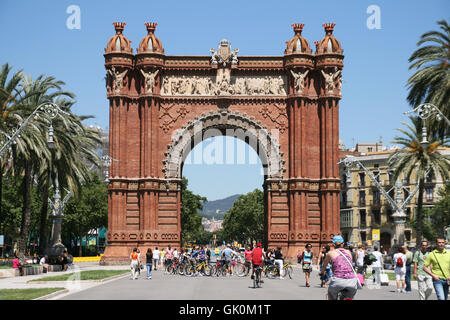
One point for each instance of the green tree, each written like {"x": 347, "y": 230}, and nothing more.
{"x": 431, "y": 80}
{"x": 191, "y": 221}
{"x": 412, "y": 156}
{"x": 245, "y": 220}
{"x": 86, "y": 212}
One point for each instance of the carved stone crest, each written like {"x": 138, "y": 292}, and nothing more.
{"x": 224, "y": 55}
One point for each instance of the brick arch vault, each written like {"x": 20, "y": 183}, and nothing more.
{"x": 160, "y": 106}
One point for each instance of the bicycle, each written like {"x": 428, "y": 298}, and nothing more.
{"x": 243, "y": 268}
{"x": 274, "y": 270}
{"x": 173, "y": 266}
{"x": 202, "y": 267}
{"x": 256, "y": 276}
{"x": 220, "y": 268}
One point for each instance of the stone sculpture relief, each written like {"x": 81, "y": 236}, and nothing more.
{"x": 330, "y": 79}
{"x": 149, "y": 80}
{"x": 299, "y": 80}
{"x": 208, "y": 86}
{"x": 117, "y": 78}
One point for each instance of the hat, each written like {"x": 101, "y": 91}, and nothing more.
{"x": 338, "y": 239}
{"x": 258, "y": 244}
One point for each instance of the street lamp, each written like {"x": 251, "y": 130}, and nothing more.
{"x": 397, "y": 205}
{"x": 107, "y": 161}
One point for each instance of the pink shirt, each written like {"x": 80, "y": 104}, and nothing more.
{"x": 16, "y": 263}
{"x": 169, "y": 254}
{"x": 341, "y": 268}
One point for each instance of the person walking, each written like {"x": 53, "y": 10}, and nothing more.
{"x": 409, "y": 258}
{"x": 344, "y": 278}
{"x": 424, "y": 280}
{"x": 328, "y": 274}
{"x": 168, "y": 256}
{"x": 400, "y": 269}
{"x": 279, "y": 260}
{"x": 377, "y": 265}
{"x": 134, "y": 265}
{"x": 156, "y": 254}
{"x": 307, "y": 263}
{"x": 437, "y": 266}
{"x": 148, "y": 262}
{"x": 360, "y": 254}
{"x": 162, "y": 257}
{"x": 227, "y": 254}
{"x": 299, "y": 256}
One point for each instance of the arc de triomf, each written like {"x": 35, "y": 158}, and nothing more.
{"x": 160, "y": 105}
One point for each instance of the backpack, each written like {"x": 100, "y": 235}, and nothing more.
{"x": 369, "y": 259}
{"x": 399, "y": 262}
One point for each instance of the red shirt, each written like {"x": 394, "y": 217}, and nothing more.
{"x": 248, "y": 255}
{"x": 257, "y": 256}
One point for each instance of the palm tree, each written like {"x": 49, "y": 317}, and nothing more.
{"x": 413, "y": 156}
{"x": 31, "y": 149}
{"x": 73, "y": 152}
{"x": 431, "y": 81}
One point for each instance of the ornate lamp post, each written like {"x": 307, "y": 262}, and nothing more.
{"x": 397, "y": 205}
{"x": 107, "y": 160}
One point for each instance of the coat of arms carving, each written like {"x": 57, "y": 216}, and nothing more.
{"x": 224, "y": 55}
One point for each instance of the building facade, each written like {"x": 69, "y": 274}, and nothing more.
{"x": 364, "y": 209}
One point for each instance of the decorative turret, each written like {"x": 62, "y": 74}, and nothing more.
{"x": 119, "y": 43}
{"x": 298, "y": 44}
{"x": 150, "y": 43}
{"x": 329, "y": 44}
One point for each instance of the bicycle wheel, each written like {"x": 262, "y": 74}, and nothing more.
{"x": 273, "y": 272}
{"x": 258, "y": 273}
{"x": 288, "y": 271}
{"x": 189, "y": 270}
{"x": 207, "y": 270}
{"x": 180, "y": 269}
{"x": 170, "y": 268}
{"x": 241, "y": 269}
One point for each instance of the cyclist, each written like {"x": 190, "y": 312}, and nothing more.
{"x": 228, "y": 253}
{"x": 248, "y": 257}
{"x": 344, "y": 279}
{"x": 258, "y": 256}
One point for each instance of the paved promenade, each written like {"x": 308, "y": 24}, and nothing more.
{"x": 174, "y": 287}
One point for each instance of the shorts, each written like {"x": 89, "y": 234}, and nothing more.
{"x": 307, "y": 267}
{"x": 228, "y": 262}
{"x": 399, "y": 274}
{"x": 338, "y": 284}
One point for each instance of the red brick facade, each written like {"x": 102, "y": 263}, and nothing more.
{"x": 153, "y": 119}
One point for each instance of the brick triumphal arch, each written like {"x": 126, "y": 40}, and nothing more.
{"x": 286, "y": 107}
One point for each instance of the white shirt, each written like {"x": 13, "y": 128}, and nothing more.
{"x": 42, "y": 261}
{"x": 378, "y": 263}
{"x": 403, "y": 256}
{"x": 175, "y": 253}
{"x": 156, "y": 254}
{"x": 360, "y": 259}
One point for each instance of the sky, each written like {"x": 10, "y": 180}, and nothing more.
{"x": 37, "y": 38}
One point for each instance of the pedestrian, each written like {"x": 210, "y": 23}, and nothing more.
{"x": 162, "y": 257}
{"x": 168, "y": 257}
{"x": 360, "y": 254}
{"x": 227, "y": 255}
{"x": 377, "y": 265}
{"x": 307, "y": 263}
{"x": 148, "y": 262}
{"x": 248, "y": 257}
{"x": 18, "y": 265}
{"x": 437, "y": 266}
{"x": 156, "y": 254}
{"x": 278, "y": 259}
{"x": 409, "y": 259}
{"x": 176, "y": 254}
{"x": 134, "y": 264}
{"x": 299, "y": 256}
{"x": 400, "y": 269}
{"x": 344, "y": 277}
{"x": 208, "y": 254}
{"x": 424, "y": 280}
{"x": 328, "y": 274}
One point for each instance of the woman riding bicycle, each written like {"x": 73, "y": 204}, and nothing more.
{"x": 344, "y": 279}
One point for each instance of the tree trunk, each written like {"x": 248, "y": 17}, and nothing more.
{"x": 419, "y": 213}
{"x": 80, "y": 253}
{"x": 44, "y": 217}
{"x": 26, "y": 211}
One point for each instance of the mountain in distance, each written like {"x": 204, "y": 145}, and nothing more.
{"x": 210, "y": 207}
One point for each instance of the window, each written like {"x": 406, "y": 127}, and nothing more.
{"x": 429, "y": 192}
{"x": 407, "y": 235}
{"x": 408, "y": 214}
{"x": 369, "y": 149}
{"x": 376, "y": 216}
{"x": 376, "y": 197}
{"x": 362, "y": 198}
{"x": 344, "y": 199}
{"x": 362, "y": 216}
{"x": 389, "y": 215}
{"x": 376, "y": 174}
{"x": 362, "y": 179}
{"x": 363, "y": 236}
{"x": 391, "y": 176}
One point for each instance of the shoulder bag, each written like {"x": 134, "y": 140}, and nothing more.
{"x": 359, "y": 277}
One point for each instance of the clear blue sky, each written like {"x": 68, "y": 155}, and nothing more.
{"x": 35, "y": 38}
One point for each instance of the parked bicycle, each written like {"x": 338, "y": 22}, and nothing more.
{"x": 274, "y": 270}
